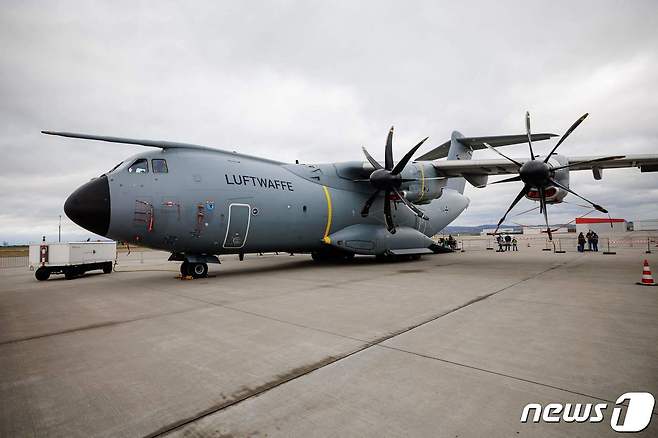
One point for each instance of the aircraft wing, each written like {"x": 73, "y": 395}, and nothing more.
{"x": 477, "y": 143}
{"x": 467, "y": 168}
{"x": 646, "y": 163}
{"x": 154, "y": 144}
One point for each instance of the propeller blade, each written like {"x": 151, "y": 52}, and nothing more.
{"x": 521, "y": 194}
{"x": 583, "y": 215}
{"x": 514, "y": 178}
{"x": 527, "y": 130}
{"x": 577, "y": 205}
{"x": 422, "y": 179}
{"x": 372, "y": 161}
{"x": 501, "y": 154}
{"x": 563, "y": 187}
{"x": 410, "y": 206}
{"x": 403, "y": 162}
{"x": 366, "y": 207}
{"x": 566, "y": 134}
{"x": 388, "y": 151}
{"x": 387, "y": 213}
{"x": 596, "y": 160}
{"x": 542, "y": 206}
{"x": 527, "y": 211}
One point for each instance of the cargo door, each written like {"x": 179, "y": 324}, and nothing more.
{"x": 237, "y": 229}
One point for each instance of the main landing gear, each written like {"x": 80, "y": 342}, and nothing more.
{"x": 195, "y": 270}
{"x": 332, "y": 256}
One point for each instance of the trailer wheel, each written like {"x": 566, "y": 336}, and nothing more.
{"x": 42, "y": 274}
{"x": 71, "y": 272}
{"x": 107, "y": 267}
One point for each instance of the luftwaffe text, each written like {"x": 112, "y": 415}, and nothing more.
{"x": 255, "y": 181}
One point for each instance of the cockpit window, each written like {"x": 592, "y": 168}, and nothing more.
{"x": 159, "y": 165}
{"x": 115, "y": 167}
{"x": 139, "y": 166}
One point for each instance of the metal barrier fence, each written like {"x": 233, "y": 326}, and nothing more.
{"x": 13, "y": 262}
{"x": 466, "y": 243}
{"x": 564, "y": 243}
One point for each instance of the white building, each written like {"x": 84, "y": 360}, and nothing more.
{"x": 645, "y": 225}
{"x": 600, "y": 225}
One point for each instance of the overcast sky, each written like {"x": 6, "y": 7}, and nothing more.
{"x": 315, "y": 81}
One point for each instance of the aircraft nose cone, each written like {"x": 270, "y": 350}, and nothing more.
{"x": 89, "y": 206}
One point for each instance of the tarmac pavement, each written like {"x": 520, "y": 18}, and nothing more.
{"x": 452, "y": 345}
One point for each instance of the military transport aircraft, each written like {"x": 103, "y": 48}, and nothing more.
{"x": 198, "y": 202}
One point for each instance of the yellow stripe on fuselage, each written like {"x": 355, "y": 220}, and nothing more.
{"x": 422, "y": 181}
{"x": 330, "y": 213}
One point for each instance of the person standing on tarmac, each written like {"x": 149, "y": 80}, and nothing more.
{"x": 514, "y": 244}
{"x": 499, "y": 240}
{"x": 508, "y": 243}
{"x": 581, "y": 242}
{"x": 595, "y": 242}
{"x": 588, "y": 236}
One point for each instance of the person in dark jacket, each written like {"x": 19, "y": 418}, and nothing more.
{"x": 595, "y": 242}
{"x": 581, "y": 242}
{"x": 499, "y": 241}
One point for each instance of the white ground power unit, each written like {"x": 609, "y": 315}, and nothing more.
{"x": 72, "y": 259}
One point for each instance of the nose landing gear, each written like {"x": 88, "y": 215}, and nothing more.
{"x": 195, "y": 270}
{"x": 194, "y": 265}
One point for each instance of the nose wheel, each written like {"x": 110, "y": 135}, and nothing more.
{"x": 195, "y": 270}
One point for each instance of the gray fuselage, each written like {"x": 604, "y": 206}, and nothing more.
{"x": 221, "y": 203}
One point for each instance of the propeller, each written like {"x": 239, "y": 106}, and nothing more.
{"x": 539, "y": 175}
{"x": 388, "y": 179}
{"x": 587, "y": 207}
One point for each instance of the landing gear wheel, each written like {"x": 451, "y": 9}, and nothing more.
{"x": 107, "y": 268}
{"x": 198, "y": 270}
{"x": 184, "y": 269}
{"x": 386, "y": 258}
{"x": 42, "y": 274}
{"x": 332, "y": 257}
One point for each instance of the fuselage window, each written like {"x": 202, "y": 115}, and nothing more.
{"x": 159, "y": 165}
{"x": 139, "y": 166}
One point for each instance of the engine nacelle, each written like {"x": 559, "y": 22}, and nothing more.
{"x": 554, "y": 195}
{"x": 430, "y": 193}
{"x": 423, "y": 191}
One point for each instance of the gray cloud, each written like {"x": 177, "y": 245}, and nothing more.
{"x": 314, "y": 81}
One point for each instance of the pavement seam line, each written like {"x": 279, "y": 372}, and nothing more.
{"x": 498, "y": 373}
{"x": 96, "y": 326}
{"x": 213, "y": 410}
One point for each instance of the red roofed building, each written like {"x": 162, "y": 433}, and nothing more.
{"x": 601, "y": 225}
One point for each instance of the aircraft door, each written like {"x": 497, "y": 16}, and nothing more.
{"x": 237, "y": 229}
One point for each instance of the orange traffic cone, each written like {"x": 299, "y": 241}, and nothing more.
{"x": 647, "y": 278}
